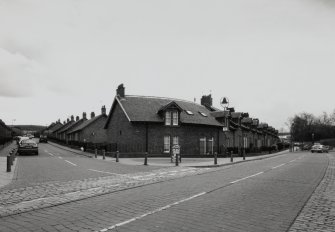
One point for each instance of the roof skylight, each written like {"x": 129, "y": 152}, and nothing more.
{"x": 203, "y": 114}
{"x": 189, "y": 112}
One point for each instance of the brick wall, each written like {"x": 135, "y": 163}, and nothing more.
{"x": 94, "y": 132}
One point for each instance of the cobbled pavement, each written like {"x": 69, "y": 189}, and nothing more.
{"x": 21, "y": 200}
{"x": 318, "y": 215}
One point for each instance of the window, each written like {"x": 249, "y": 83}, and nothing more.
{"x": 166, "y": 144}
{"x": 168, "y": 118}
{"x": 210, "y": 146}
{"x": 203, "y": 114}
{"x": 203, "y": 146}
{"x": 175, "y": 118}
{"x": 189, "y": 112}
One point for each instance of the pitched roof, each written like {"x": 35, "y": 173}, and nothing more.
{"x": 145, "y": 109}
{"x": 66, "y": 126}
{"x": 86, "y": 123}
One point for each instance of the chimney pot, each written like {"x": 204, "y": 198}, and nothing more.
{"x": 68, "y": 120}
{"x": 92, "y": 115}
{"x": 77, "y": 118}
{"x": 103, "y": 110}
{"x": 120, "y": 91}
{"x": 72, "y": 118}
{"x": 84, "y": 115}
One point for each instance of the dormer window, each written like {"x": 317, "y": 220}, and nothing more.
{"x": 171, "y": 118}
{"x": 175, "y": 118}
{"x": 168, "y": 118}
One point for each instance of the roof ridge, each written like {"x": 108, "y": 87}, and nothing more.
{"x": 166, "y": 98}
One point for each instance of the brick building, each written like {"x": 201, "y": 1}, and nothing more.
{"x": 154, "y": 124}
{"x": 91, "y": 130}
{"x": 5, "y": 133}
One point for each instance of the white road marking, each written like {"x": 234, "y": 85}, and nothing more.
{"x": 46, "y": 151}
{"x": 70, "y": 163}
{"x": 277, "y": 166}
{"x": 93, "y": 170}
{"x": 246, "y": 177}
{"x": 292, "y": 161}
{"x": 151, "y": 212}
{"x": 60, "y": 157}
{"x": 51, "y": 154}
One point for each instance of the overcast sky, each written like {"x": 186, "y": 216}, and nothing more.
{"x": 271, "y": 58}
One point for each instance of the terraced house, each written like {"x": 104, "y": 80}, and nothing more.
{"x": 155, "y": 124}
{"x": 91, "y": 130}
{"x": 5, "y": 133}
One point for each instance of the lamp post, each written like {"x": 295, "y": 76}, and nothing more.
{"x": 224, "y": 102}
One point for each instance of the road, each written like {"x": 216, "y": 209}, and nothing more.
{"x": 263, "y": 195}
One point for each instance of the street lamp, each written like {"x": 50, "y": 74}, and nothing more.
{"x": 224, "y": 102}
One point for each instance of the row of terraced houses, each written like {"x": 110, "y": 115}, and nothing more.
{"x": 6, "y": 133}
{"x": 137, "y": 124}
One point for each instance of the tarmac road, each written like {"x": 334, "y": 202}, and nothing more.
{"x": 263, "y": 195}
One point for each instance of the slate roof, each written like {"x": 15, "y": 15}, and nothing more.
{"x": 66, "y": 126}
{"x": 86, "y": 123}
{"x": 145, "y": 109}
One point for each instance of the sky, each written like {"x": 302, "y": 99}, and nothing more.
{"x": 270, "y": 58}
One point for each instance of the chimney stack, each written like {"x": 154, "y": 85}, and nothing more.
{"x": 120, "y": 91}
{"x": 67, "y": 120}
{"x": 92, "y": 115}
{"x": 77, "y": 118}
{"x": 84, "y": 115}
{"x": 207, "y": 100}
{"x": 72, "y": 118}
{"x": 103, "y": 110}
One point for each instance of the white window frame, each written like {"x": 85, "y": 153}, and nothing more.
{"x": 203, "y": 140}
{"x": 175, "y": 118}
{"x": 175, "y": 140}
{"x": 168, "y": 118}
{"x": 167, "y": 143}
{"x": 211, "y": 142}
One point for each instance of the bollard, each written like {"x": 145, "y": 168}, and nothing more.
{"x": 146, "y": 158}
{"x": 96, "y": 153}
{"x": 177, "y": 159}
{"x": 215, "y": 158}
{"x": 117, "y": 156}
{"x": 231, "y": 156}
{"x": 171, "y": 158}
{"x": 11, "y": 158}
{"x": 244, "y": 154}
{"x": 103, "y": 154}
{"x": 9, "y": 166}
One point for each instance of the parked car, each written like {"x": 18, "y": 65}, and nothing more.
{"x": 43, "y": 139}
{"x": 28, "y": 146}
{"x": 319, "y": 148}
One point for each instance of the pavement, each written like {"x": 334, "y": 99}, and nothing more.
{"x": 251, "y": 196}
{"x": 166, "y": 162}
{"x": 318, "y": 215}
{"x": 6, "y": 177}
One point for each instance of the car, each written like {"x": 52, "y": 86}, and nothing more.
{"x": 319, "y": 148}
{"x": 27, "y": 146}
{"x": 21, "y": 139}
{"x": 43, "y": 139}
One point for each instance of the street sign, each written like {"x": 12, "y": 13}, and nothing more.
{"x": 176, "y": 149}
{"x": 224, "y": 128}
